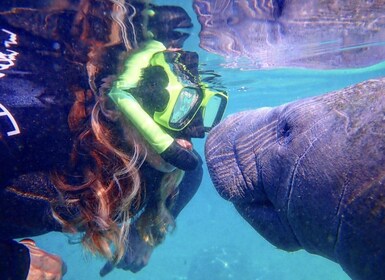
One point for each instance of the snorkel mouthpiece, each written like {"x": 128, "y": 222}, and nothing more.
{"x": 160, "y": 141}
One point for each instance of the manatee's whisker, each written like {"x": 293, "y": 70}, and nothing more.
{"x": 260, "y": 134}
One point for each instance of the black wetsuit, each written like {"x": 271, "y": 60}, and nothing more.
{"x": 35, "y": 139}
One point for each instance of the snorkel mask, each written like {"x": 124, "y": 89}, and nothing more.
{"x": 187, "y": 95}
{"x": 183, "y": 96}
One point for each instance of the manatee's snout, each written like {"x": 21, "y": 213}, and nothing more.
{"x": 221, "y": 162}
{"x": 230, "y": 157}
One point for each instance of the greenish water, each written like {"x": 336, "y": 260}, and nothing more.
{"x": 211, "y": 240}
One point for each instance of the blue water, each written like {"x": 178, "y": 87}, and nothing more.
{"x": 211, "y": 240}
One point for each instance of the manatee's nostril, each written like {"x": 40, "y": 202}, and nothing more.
{"x": 232, "y": 20}
{"x": 278, "y": 8}
{"x": 284, "y": 133}
{"x": 286, "y": 130}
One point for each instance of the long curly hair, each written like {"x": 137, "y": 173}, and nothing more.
{"x": 103, "y": 181}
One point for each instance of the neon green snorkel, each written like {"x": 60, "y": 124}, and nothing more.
{"x": 181, "y": 98}
{"x": 161, "y": 142}
{"x": 127, "y": 104}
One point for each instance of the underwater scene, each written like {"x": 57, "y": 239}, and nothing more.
{"x": 251, "y": 54}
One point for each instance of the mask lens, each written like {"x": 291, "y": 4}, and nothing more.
{"x": 214, "y": 111}
{"x": 187, "y": 104}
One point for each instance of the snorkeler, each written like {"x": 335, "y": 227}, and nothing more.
{"x": 158, "y": 92}
{"x": 116, "y": 164}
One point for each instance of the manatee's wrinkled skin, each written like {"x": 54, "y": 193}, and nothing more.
{"x": 311, "y": 174}
{"x": 322, "y": 34}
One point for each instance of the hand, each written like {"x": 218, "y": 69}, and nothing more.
{"x": 137, "y": 255}
{"x": 181, "y": 155}
{"x": 43, "y": 266}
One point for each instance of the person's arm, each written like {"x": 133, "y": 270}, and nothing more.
{"x": 43, "y": 265}
{"x": 24, "y": 260}
{"x": 25, "y": 211}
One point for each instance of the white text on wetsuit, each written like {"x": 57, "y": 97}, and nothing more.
{"x": 8, "y": 56}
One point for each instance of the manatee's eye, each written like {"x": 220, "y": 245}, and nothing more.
{"x": 284, "y": 132}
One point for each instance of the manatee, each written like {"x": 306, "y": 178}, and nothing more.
{"x": 310, "y": 174}
{"x": 327, "y": 34}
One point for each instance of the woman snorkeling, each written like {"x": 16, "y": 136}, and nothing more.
{"x": 110, "y": 158}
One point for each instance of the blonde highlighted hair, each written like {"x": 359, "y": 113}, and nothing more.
{"x": 103, "y": 181}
